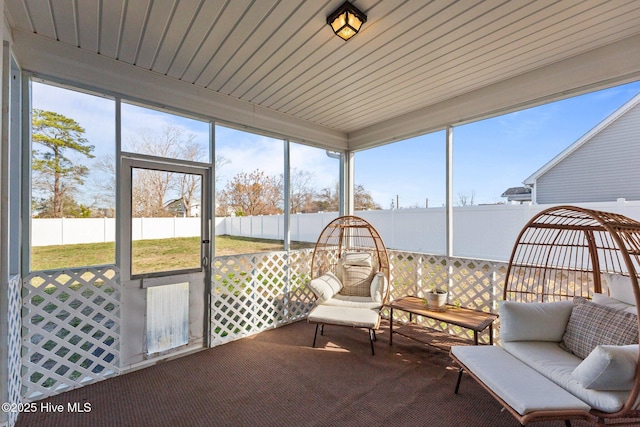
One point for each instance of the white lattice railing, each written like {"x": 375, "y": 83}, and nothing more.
{"x": 471, "y": 283}
{"x": 71, "y": 329}
{"x": 14, "y": 346}
{"x": 255, "y": 292}
{"x": 71, "y": 318}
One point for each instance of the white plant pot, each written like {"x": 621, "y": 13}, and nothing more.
{"x": 436, "y": 301}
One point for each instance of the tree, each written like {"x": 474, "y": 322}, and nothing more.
{"x": 363, "y": 200}
{"x": 328, "y": 199}
{"x": 251, "y": 194}
{"x": 159, "y": 193}
{"x": 466, "y": 200}
{"x": 302, "y": 193}
{"x": 56, "y": 174}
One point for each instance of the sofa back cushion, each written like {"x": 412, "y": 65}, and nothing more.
{"x": 530, "y": 321}
{"x": 356, "y": 280}
{"x": 593, "y": 324}
{"x": 620, "y": 287}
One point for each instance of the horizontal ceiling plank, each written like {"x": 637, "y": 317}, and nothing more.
{"x": 203, "y": 23}
{"x": 160, "y": 16}
{"x": 276, "y": 50}
{"x": 252, "y": 45}
{"x": 111, "y": 29}
{"x": 88, "y": 14}
{"x": 65, "y": 22}
{"x": 174, "y": 35}
{"x": 234, "y": 13}
{"x": 18, "y": 14}
{"x": 133, "y": 29}
{"x": 244, "y": 30}
{"x": 41, "y": 17}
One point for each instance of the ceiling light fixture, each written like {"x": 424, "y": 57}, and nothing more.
{"x": 346, "y": 21}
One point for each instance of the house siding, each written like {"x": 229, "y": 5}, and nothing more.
{"x": 604, "y": 168}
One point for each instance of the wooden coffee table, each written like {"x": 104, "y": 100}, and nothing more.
{"x": 475, "y": 320}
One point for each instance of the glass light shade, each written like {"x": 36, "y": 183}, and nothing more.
{"x": 346, "y": 21}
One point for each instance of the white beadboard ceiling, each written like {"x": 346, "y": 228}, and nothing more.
{"x": 281, "y": 55}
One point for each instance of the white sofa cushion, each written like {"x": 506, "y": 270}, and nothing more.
{"x": 378, "y": 287}
{"x": 620, "y": 287}
{"x": 608, "y": 367}
{"x": 363, "y": 259}
{"x": 515, "y": 382}
{"x": 592, "y": 324}
{"x": 614, "y": 303}
{"x": 325, "y": 287}
{"x": 521, "y": 321}
{"x": 558, "y": 365}
{"x": 356, "y": 317}
{"x": 339, "y": 300}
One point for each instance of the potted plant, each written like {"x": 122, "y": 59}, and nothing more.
{"x": 436, "y": 298}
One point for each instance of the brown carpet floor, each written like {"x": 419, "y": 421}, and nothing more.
{"x": 277, "y": 379}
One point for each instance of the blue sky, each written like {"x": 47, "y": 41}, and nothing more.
{"x": 489, "y": 156}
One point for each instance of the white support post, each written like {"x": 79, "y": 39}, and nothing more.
{"x": 347, "y": 184}
{"x": 287, "y": 195}
{"x": 449, "y": 204}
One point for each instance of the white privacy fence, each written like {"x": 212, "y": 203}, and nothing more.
{"x": 68, "y": 231}
{"x": 485, "y": 232}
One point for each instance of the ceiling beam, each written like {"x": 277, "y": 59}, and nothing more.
{"x": 49, "y": 58}
{"x": 600, "y": 68}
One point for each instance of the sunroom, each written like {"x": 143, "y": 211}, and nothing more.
{"x": 268, "y": 69}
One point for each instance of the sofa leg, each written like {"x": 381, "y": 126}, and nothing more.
{"x": 567, "y": 423}
{"x": 459, "y": 379}
{"x": 315, "y": 336}
{"x": 322, "y": 330}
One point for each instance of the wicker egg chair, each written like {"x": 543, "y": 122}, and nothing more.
{"x": 561, "y": 253}
{"x": 349, "y": 276}
{"x": 348, "y": 234}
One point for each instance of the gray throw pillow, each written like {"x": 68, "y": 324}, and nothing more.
{"x": 591, "y": 325}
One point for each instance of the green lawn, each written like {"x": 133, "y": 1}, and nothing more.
{"x": 156, "y": 255}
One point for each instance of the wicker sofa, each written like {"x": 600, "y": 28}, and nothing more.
{"x": 587, "y": 350}
{"x": 569, "y": 322}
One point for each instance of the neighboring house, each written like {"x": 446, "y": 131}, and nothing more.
{"x": 603, "y": 165}
{"x": 517, "y": 195}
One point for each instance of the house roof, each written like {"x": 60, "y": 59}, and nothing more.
{"x": 583, "y": 139}
{"x": 415, "y": 66}
{"x": 517, "y": 194}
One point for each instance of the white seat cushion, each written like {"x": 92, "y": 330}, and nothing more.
{"x": 345, "y": 316}
{"x": 521, "y": 387}
{"x": 558, "y": 365}
{"x": 353, "y": 301}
